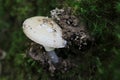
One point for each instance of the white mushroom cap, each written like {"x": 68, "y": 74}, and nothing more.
{"x": 44, "y": 31}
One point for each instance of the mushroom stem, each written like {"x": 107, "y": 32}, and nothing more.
{"x": 54, "y": 58}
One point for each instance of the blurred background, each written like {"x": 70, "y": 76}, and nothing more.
{"x": 102, "y": 18}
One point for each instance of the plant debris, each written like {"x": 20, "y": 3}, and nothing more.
{"x": 73, "y": 28}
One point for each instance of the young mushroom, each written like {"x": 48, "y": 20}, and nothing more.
{"x": 2, "y": 54}
{"x": 45, "y": 32}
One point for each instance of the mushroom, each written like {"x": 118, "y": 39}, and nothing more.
{"x": 45, "y": 32}
{"x": 2, "y": 54}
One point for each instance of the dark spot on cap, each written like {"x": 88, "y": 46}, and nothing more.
{"x": 28, "y": 25}
{"x": 40, "y": 24}
{"x": 54, "y": 41}
{"x": 39, "y": 20}
{"x": 45, "y": 20}
{"x": 54, "y": 30}
{"x": 51, "y": 24}
{"x": 24, "y": 25}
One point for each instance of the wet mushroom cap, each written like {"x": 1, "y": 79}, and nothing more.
{"x": 44, "y": 31}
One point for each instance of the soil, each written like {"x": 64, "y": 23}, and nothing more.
{"x": 73, "y": 27}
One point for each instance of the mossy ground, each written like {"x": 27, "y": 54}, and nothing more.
{"x": 100, "y": 62}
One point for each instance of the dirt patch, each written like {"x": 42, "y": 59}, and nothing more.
{"x": 73, "y": 28}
